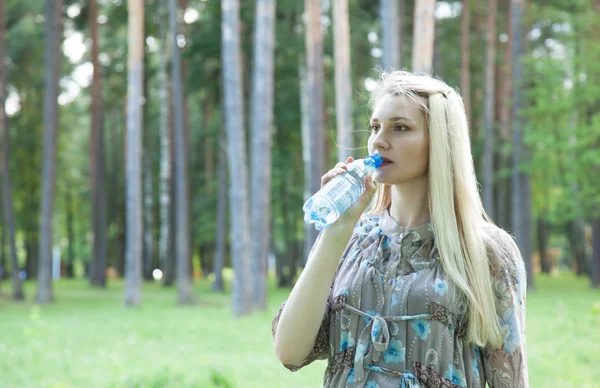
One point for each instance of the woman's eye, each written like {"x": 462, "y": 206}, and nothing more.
{"x": 374, "y": 128}
{"x": 401, "y": 128}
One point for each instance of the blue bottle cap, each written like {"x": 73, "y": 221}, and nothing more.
{"x": 373, "y": 160}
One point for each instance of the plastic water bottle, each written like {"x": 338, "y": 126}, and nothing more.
{"x": 329, "y": 203}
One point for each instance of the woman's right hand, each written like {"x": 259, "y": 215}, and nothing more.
{"x": 354, "y": 212}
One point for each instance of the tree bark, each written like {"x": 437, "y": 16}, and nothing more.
{"x": 542, "y": 240}
{"x": 8, "y": 208}
{"x": 465, "y": 59}
{"x": 98, "y": 266}
{"x": 219, "y": 258}
{"x": 343, "y": 85}
{"x": 133, "y": 256}
{"x": 390, "y": 19}
{"x": 262, "y": 128}
{"x": 314, "y": 92}
{"x": 236, "y": 139}
{"x": 423, "y": 36}
{"x": 52, "y": 74}
{"x": 165, "y": 146}
{"x": 148, "y": 222}
{"x": 183, "y": 268}
{"x": 519, "y": 187}
{"x": 70, "y": 234}
{"x": 490, "y": 94}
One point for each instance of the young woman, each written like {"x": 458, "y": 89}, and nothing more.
{"x": 423, "y": 290}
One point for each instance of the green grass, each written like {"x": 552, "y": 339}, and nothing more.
{"x": 88, "y": 339}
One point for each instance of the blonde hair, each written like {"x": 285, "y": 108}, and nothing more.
{"x": 470, "y": 245}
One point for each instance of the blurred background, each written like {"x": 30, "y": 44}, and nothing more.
{"x": 156, "y": 156}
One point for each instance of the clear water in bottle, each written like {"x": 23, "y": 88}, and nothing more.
{"x": 329, "y": 203}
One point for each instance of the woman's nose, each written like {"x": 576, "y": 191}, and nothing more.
{"x": 379, "y": 141}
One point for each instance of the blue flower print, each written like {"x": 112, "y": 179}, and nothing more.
{"x": 422, "y": 328}
{"x": 371, "y": 384}
{"x": 386, "y": 243}
{"x": 475, "y": 367}
{"x": 510, "y": 331}
{"x": 440, "y": 287}
{"x": 394, "y": 299}
{"x": 370, "y": 312}
{"x": 346, "y": 340}
{"x": 350, "y": 377}
{"x": 395, "y": 352}
{"x": 456, "y": 376}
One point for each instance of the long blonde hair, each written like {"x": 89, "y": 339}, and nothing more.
{"x": 470, "y": 245}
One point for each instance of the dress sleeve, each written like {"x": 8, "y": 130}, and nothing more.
{"x": 320, "y": 350}
{"x": 507, "y": 366}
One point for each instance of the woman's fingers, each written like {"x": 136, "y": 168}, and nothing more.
{"x": 339, "y": 168}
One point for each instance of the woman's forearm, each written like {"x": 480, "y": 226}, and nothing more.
{"x": 304, "y": 310}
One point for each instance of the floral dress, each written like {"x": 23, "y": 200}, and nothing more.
{"x": 394, "y": 318}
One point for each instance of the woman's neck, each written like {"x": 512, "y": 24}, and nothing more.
{"x": 410, "y": 203}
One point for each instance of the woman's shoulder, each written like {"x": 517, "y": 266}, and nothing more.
{"x": 503, "y": 254}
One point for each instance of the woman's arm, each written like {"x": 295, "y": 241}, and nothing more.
{"x": 303, "y": 312}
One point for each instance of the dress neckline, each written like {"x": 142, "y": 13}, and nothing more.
{"x": 391, "y": 228}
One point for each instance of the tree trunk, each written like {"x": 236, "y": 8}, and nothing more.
{"x": 165, "y": 147}
{"x": 542, "y": 240}
{"x": 169, "y": 276}
{"x": 236, "y": 139}
{"x": 519, "y": 203}
{"x": 490, "y": 94}
{"x": 310, "y": 233}
{"x": 148, "y": 222}
{"x": 133, "y": 256}
{"x": 314, "y": 91}
{"x": 8, "y": 209}
{"x": 343, "y": 85}
{"x": 391, "y": 33}
{"x": 262, "y": 128}
{"x": 423, "y": 36}
{"x": 503, "y": 183}
{"x": 465, "y": 63}
{"x": 52, "y": 74}
{"x": 183, "y": 269}
{"x": 219, "y": 258}
{"x": 98, "y": 266}
{"x": 576, "y": 234}
{"x": 70, "y": 234}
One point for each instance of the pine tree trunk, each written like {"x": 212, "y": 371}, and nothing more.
{"x": 148, "y": 224}
{"x": 423, "y": 36}
{"x": 236, "y": 152}
{"x": 343, "y": 86}
{"x": 310, "y": 233}
{"x": 183, "y": 268}
{"x": 133, "y": 256}
{"x": 465, "y": 59}
{"x": 98, "y": 266}
{"x": 219, "y": 258}
{"x": 70, "y": 234}
{"x": 520, "y": 182}
{"x": 391, "y": 33}
{"x": 8, "y": 209}
{"x": 165, "y": 147}
{"x": 262, "y": 128}
{"x": 315, "y": 98}
{"x": 490, "y": 94}
{"x": 52, "y": 74}
{"x": 542, "y": 239}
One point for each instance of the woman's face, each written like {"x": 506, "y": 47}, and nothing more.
{"x": 399, "y": 133}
